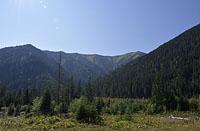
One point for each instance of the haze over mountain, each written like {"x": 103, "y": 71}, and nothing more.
{"x": 174, "y": 67}
{"x": 24, "y": 66}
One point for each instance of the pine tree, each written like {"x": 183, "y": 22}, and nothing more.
{"x": 17, "y": 110}
{"x": 11, "y": 110}
{"x": 66, "y": 97}
{"x": 78, "y": 90}
{"x": 26, "y": 97}
{"x": 158, "y": 94}
{"x": 99, "y": 105}
{"x": 89, "y": 94}
{"x": 46, "y": 103}
{"x": 71, "y": 88}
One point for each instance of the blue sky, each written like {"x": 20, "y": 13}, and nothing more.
{"x": 107, "y": 27}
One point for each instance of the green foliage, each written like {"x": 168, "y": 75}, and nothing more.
{"x": 36, "y": 105}
{"x": 124, "y": 106}
{"x": 36, "y": 123}
{"x": 17, "y": 110}
{"x": 25, "y": 109}
{"x": 141, "y": 122}
{"x": 150, "y": 109}
{"x": 11, "y": 110}
{"x": 85, "y": 111}
{"x": 61, "y": 108}
{"x": 177, "y": 62}
{"x": 194, "y": 104}
{"x": 183, "y": 104}
{"x": 76, "y": 103}
{"x": 89, "y": 92}
{"x": 100, "y": 105}
{"x": 26, "y": 97}
{"x": 88, "y": 114}
{"x": 171, "y": 102}
{"x": 157, "y": 92}
{"x": 46, "y": 107}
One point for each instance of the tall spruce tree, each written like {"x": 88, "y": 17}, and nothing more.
{"x": 89, "y": 93}
{"x": 26, "y": 97}
{"x": 158, "y": 93}
{"x": 71, "y": 88}
{"x": 46, "y": 103}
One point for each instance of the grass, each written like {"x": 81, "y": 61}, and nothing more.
{"x": 110, "y": 122}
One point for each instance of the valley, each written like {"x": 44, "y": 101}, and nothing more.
{"x": 44, "y": 90}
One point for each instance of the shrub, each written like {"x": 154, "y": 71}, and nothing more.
{"x": 171, "y": 103}
{"x": 193, "y": 104}
{"x": 87, "y": 113}
{"x": 61, "y": 108}
{"x": 36, "y": 105}
{"x": 100, "y": 105}
{"x": 150, "y": 109}
{"x": 25, "y": 109}
{"x": 183, "y": 104}
{"x": 75, "y": 104}
{"x": 126, "y": 106}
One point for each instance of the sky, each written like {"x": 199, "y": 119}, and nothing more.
{"x": 106, "y": 27}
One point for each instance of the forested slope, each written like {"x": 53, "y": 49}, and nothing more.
{"x": 175, "y": 66}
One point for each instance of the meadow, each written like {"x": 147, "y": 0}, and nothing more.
{"x": 110, "y": 122}
{"x": 115, "y": 114}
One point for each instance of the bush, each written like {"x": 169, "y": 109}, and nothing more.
{"x": 150, "y": 109}
{"x": 75, "y": 104}
{"x": 36, "y": 105}
{"x": 61, "y": 108}
{"x": 183, "y": 104}
{"x": 87, "y": 113}
{"x": 194, "y": 104}
{"x": 159, "y": 108}
{"x": 100, "y": 105}
{"x": 25, "y": 109}
{"x": 125, "y": 106}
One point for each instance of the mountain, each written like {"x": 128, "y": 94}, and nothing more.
{"x": 83, "y": 66}
{"x": 25, "y": 66}
{"x": 174, "y": 66}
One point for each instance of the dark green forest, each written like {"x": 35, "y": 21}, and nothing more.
{"x": 173, "y": 68}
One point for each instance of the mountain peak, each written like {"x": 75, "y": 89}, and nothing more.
{"x": 27, "y": 46}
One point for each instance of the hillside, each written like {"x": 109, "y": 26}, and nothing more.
{"x": 175, "y": 63}
{"x": 25, "y": 66}
{"x": 82, "y": 66}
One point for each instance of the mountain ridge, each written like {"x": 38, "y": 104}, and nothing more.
{"x": 17, "y": 64}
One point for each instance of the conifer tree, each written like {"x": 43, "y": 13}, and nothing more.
{"x": 89, "y": 94}
{"x": 46, "y": 103}
{"x": 71, "y": 88}
{"x": 26, "y": 97}
{"x": 11, "y": 110}
{"x": 157, "y": 93}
